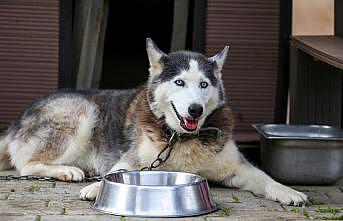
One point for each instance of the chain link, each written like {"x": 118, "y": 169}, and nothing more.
{"x": 46, "y": 178}
{"x": 27, "y": 177}
{"x": 168, "y": 148}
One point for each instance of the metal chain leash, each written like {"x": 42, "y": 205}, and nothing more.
{"x": 47, "y": 178}
{"x": 156, "y": 163}
{"x": 159, "y": 160}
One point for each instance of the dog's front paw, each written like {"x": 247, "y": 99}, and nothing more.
{"x": 67, "y": 173}
{"x": 90, "y": 192}
{"x": 285, "y": 195}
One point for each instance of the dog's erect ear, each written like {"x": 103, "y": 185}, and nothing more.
{"x": 219, "y": 60}
{"x": 154, "y": 55}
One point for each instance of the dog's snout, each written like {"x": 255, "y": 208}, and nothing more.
{"x": 195, "y": 110}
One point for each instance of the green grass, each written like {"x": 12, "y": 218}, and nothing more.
{"x": 64, "y": 211}
{"x": 314, "y": 201}
{"x": 48, "y": 202}
{"x": 34, "y": 188}
{"x": 122, "y": 218}
{"x": 225, "y": 212}
{"x": 332, "y": 217}
{"x": 305, "y": 213}
{"x": 235, "y": 199}
{"x": 38, "y": 218}
{"x": 329, "y": 210}
{"x": 295, "y": 210}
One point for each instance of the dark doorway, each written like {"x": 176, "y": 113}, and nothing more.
{"x": 129, "y": 24}
{"x": 125, "y": 63}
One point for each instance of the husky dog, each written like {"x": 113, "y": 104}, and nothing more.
{"x": 69, "y": 134}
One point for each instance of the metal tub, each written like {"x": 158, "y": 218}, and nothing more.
{"x": 154, "y": 194}
{"x": 302, "y": 154}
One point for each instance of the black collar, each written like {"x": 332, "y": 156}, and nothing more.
{"x": 203, "y": 133}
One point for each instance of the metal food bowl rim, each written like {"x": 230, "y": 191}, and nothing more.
{"x": 202, "y": 179}
{"x": 267, "y": 136}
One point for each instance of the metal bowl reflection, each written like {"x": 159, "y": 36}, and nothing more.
{"x": 154, "y": 194}
{"x": 302, "y": 154}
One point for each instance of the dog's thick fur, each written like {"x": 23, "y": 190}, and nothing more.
{"x": 68, "y": 134}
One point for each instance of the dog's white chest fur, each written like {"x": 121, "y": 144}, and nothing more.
{"x": 190, "y": 156}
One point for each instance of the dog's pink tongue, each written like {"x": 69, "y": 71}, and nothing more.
{"x": 190, "y": 124}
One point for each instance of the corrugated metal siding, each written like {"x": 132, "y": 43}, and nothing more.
{"x": 251, "y": 28}
{"x": 29, "y": 41}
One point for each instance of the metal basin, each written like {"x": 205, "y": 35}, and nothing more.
{"x": 302, "y": 154}
{"x": 154, "y": 194}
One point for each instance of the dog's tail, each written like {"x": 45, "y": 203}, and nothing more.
{"x": 5, "y": 162}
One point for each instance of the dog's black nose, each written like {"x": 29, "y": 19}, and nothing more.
{"x": 195, "y": 110}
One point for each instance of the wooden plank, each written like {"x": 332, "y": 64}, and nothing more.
{"x": 315, "y": 91}
{"x": 312, "y": 96}
{"x": 199, "y": 25}
{"x": 90, "y": 30}
{"x": 179, "y": 34}
{"x": 66, "y": 78}
{"x": 281, "y": 98}
{"x": 29, "y": 54}
{"x": 304, "y": 89}
{"x": 339, "y": 18}
{"x": 252, "y": 29}
{"x": 100, "y": 47}
{"x": 328, "y": 49}
{"x": 336, "y": 89}
{"x": 293, "y": 82}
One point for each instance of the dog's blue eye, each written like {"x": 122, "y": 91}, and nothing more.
{"x": 203, "y": 84}
{"x": 180, "y": 83}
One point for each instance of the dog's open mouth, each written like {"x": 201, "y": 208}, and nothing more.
{"x": 185, "y": 123}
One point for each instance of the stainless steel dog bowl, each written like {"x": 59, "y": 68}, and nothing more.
{"x": 154, "y": 194}
{"x": 302, "y": 154}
